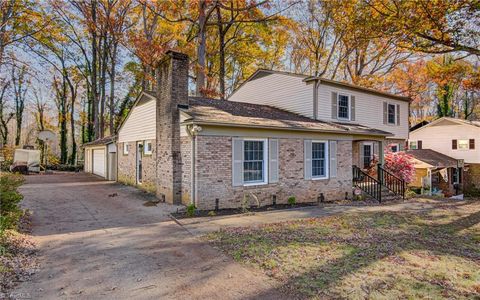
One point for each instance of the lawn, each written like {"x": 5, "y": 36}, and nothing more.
{"x": 432, "y": 253}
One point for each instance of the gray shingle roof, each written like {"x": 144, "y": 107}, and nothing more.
{"x": 239, "y": 114}
{"x": 433, "y": 158}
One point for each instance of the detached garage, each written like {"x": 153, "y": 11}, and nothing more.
{"x": 101, "y": 158}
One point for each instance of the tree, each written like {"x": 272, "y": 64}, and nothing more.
{"x": 20, "y": 86}
{"x": 5, "y": 115}
{"x": 400, "y": 164}
{"x": 437, "y": 26}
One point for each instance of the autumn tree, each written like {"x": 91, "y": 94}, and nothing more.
{"x": 20, "y": 85}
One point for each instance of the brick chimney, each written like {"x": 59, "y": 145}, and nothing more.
{"x": 172, "y": 90}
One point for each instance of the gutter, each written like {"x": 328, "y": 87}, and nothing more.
{"x": 192, "y": 122}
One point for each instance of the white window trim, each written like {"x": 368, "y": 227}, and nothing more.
{"x": 396, "y": 145}
{"x": 410, "y": 145}
{"x": 362, "y": 154}
{"x": 145, "y": 147}
{"x": 265, "y": 162}
{"x": 463, "y": 149}
{"x": 126, "y": 148}
{"x": 394, "y": 114}
{"x": 349, "y": 107}
{"x": 327, "y": 160}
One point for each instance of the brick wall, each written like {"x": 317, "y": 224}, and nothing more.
{"x": 214, "y": 175}
{"x": 127, "y": 168}
{"x": 186, "y": 158}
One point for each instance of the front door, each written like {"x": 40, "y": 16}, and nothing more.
{"x": 139, "y": 162}
{"x": 367, "y": 154}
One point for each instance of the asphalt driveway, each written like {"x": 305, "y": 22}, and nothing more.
{"x": 97, "y": 240}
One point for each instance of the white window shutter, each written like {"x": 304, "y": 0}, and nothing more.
{"x": 273, "y": 160}
{"x": 237, "y": 161}
{"x": 307, "y": 158}
{"x": 352, "y": 108}
{"x": 333, "y": 159}
{"x": 376, "y": 150}
{"x": 334, "y": 106}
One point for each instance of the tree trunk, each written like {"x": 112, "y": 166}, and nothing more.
{"x": 221, "y": 47}
{"x": 94, "y": 114}
{"x": 201, "y": 49}
{"x": 112, "y": 90}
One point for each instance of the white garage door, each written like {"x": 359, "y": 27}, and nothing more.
{"x": 99, "y": 162}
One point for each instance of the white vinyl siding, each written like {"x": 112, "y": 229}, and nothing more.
{"x": 368, "y": 109}
{"x": 140, "y": 124}
{"x": 279, "y": 90}
{"x": 439, "y": 138}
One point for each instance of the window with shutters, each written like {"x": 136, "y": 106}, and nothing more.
{"x": 391, "y": 114}
{"x": 471, "y": 144}
{"x": 254, "y": 161}
{"x": 319, "y": 159}
{"x": 462, "y": 144}
{"x": 343, "y": 107}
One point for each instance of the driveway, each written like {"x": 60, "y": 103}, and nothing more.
{"x": 97, "y": 240}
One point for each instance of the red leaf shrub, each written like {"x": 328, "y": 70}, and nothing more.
{"x": 400, "y": 164}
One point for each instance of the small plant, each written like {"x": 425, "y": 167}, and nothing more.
{"x": 410, "y": 194}
{"x": 244, "y": 206}
{"x": 212, "y": 213}
{"x": 291, "y": 200}
{"x": 191, "y": 210}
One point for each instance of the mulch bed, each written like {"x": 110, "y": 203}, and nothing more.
{"x": 236, "y": 211}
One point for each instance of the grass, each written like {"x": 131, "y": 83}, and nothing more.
{"x": 430, "y": 254}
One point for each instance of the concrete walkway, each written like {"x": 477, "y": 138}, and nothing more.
{"x": 203, "y": 225}
{"x": 97, "y": 240}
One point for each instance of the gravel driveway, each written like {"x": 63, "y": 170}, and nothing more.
{"x": 97, "y": 240}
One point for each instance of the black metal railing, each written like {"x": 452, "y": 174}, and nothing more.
{"x": 367, "y": 183}
{"x": 391, "y": 182}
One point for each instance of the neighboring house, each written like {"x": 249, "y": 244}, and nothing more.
{"x": 455, "y": 138}
{"x": 101, "y": 158}
{"x": 332, "y": 101}
{"x": 435, "y": 172}
{"x": 219, "y": 153}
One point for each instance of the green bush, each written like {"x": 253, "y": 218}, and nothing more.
{"x": 472, "y": 191}
{"x": 291, "y": 200}
{"x": 191, "y": 210}
{"x": 10, "y": 198}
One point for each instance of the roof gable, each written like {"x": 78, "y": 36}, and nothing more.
{"x": 446, "y": 121}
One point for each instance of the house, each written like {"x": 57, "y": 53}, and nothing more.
{"x": 435, "y": 172}
{"x": 332, "y": 101}
{"x": 456, "y": 138}
{"x": 263, "y": 147}
{"x": 101, "y": 158}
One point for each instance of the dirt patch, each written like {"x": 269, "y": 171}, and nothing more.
{"x": 18, "y": 262}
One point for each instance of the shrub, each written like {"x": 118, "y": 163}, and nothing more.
{"x": 471, "y": 191}
{"x": 191, "y": 210}
{"x": 400, "y": 164}
{"x": 65, "y": 168}
{"x": 10, "y": 211}
{"x": 291, "y": 200}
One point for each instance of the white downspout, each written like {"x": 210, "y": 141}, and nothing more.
{"x": 193, "y": 131}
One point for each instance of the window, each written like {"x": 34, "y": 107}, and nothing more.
{"x": 147, "y": 148}
{"x": 391, "y": 114}
{"x": 343, "y": 107}
{"x": 126, "y": 147}
{"x": 319, "y": 159}
{"x": 412, "y": 145}
{"x": 394, "y": 147}
{"x": 367, "y": 154}
{"x": 254, "y": 158}
{"x": 462, "y": 144}
{"x": 472, "y": 144}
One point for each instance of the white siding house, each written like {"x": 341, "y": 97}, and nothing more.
{"x": 140, "y": 124}
{"x": 333, "y": 101}
{"x": 456, "y": 138}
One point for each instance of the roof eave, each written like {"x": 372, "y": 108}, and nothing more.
{"x": 300, "y": 129}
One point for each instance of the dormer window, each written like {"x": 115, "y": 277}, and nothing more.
{"x": 343, "y": 105}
